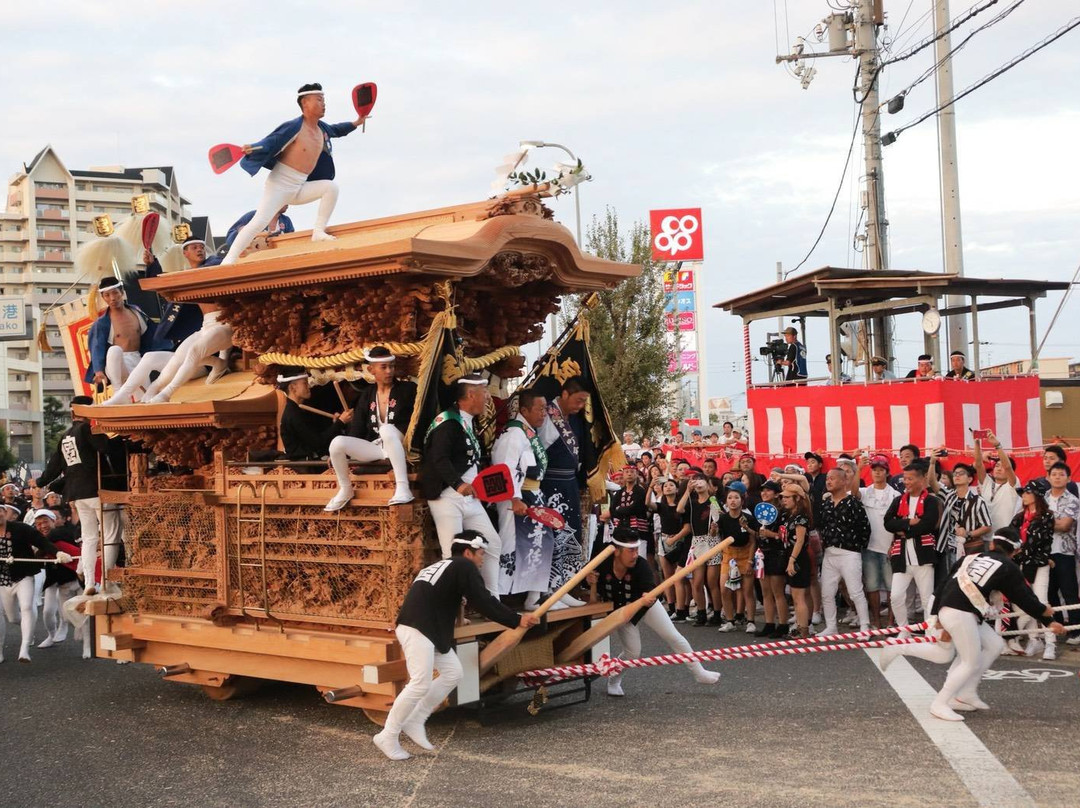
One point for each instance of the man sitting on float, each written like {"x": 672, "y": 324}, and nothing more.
{"x": 376, "y": 432}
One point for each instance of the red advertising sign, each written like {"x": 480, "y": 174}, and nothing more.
{"x": 686, "y": 321}
{"x": 676, "y": 234}
{"x": 669, "y": 281}
{"x": 685, "y": 281}
{"x": 688, "y": 362}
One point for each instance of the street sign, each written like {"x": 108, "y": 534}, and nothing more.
{"x": 14, "y": 318}
{"x": 685, "y": 281}
{"x": 676, "y": 234}
{"x": 686, "y": 321}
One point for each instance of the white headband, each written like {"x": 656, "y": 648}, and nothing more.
{"x": 13, "y": 508}
{"x": 473, "y": 380}
{"x": 378, "y": 360}
{"x": 287, "y": 379}
{"x": 309, "y": 92}
{"x": 475, "y": 543}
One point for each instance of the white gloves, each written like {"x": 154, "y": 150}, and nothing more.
{"x": 64, "y": 558}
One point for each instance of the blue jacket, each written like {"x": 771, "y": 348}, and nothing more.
{"x": 284, "y": 223}
{"x": 98, "y": 341}
{"x": 178, "y": 320}
{"x": 271, "y": 146}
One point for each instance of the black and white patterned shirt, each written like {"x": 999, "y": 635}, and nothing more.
{"x": 969, "y": 512}
{"x": 844, "y": 524}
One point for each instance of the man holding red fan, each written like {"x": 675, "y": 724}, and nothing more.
{"x": 299, "y": 157}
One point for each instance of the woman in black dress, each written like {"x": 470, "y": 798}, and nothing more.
{"x": 794, "y": 532}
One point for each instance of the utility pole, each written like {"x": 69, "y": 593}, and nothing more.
{"x": 868, "y": 15}
{"x": 854, "y": 33}
{"x": 951, "y": 237}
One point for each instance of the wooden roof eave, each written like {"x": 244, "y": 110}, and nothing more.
{"x": 422, "y": 253}
{"x": 240, "y": 411}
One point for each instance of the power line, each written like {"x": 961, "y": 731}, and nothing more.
{"x": 926, "y": 43}
{"x": 894, "y": 134}
{"x": 937, "y": 65}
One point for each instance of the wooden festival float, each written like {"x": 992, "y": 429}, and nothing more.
{"x": 234, "y": 572}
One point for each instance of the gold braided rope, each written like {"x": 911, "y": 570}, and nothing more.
{"x": 337, "y": 360}
{"x": 397, "y": 348}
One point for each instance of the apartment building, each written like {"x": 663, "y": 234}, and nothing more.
{"x": 50, "y": 212}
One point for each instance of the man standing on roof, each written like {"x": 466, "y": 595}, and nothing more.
{"x": 299, "y": 156}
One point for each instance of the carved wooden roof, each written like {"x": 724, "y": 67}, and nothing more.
{"x": 235, "y": 401}
{"x": 504, "y": 242}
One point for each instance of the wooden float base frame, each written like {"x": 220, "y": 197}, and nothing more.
{"x": 230, "y": 661}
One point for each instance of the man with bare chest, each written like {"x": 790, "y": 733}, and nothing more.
{"x": 118, "y": 338}
{"x": 299, "y": 156}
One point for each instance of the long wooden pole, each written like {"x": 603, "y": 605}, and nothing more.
{"x": 622, "y": 616}
{"x": 505, "y": 642}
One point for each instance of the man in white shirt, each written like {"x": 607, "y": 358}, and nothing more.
{"x": 631, "y": 448}
{"x": 876, "y": 499}
{"x": 999, "y": 487}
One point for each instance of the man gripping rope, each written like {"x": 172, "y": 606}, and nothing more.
{"x": 970, "y": 596}
{"x": 425, "y": 629}
{"x": 299, "y": 157}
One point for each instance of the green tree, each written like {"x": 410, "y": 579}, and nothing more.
{"x": 8, "y": 458}
{"x": 56, "y": 421}
{"x": 629, "y": 346}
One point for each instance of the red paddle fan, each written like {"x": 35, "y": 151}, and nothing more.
{"x": 494, "y": 484}
{"x": 149, "y": 229}
{"x": 363, "y": 99}
{"x": 546, "y": 516}
{"x": 225, "y": 155}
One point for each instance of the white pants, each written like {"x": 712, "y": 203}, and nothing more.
{"x": 138, "y": 377}
{"x": 53, "y": 612}
{"x": 25, "y": 615}
{"x": 191, "y": 355}
{"x": 1040, "y": 586}
{"x": 658, "y": 620}
{"x": 285, "y": 186}
{"x": 91, "y": 528}
{"x": 923, "y": 575}
{"x": 389, "y": 447}
{"x": 120, "y": 363}
{"x": 845, "y": 564}
{"x": 454, "y": 513}
{"x": 977, "y": 646}
{"x": 419, "y": 698}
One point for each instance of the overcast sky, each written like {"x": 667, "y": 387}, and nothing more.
{"x": 676, "y": 104}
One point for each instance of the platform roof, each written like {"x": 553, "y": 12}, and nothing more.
{"x": 814, "y": 293}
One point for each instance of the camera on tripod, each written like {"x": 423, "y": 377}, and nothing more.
{"x": 774, "y": 347}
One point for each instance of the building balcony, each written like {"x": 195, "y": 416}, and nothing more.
{"x": 14, "y": 235}
{"x": 51, "y": 193}
{"x": 52, "y": 213}
{"x": 54, "y": 255}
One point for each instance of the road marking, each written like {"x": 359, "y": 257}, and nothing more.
{"x": 1029, "y": 675}
{"x": 984, "y": 776}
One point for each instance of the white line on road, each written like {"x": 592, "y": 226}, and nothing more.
{"x": 984, "y": 776}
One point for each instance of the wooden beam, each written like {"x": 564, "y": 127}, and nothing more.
{"x": 119, "y": 642}
{"x": 378, "y": 673}
{"x": 1001, "y": 304}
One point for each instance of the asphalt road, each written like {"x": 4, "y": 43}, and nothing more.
{"x": 820, "y": 730}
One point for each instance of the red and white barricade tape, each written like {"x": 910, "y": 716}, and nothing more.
{"x": 610, "y": 666}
